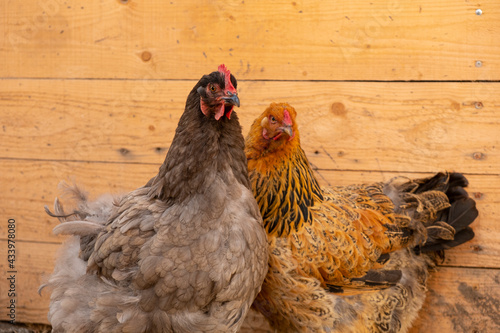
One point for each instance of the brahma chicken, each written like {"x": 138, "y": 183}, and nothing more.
{"x": 187, "y": 252}
{"x": 346, "y": 258}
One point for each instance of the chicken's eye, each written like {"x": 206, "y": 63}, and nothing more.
{"x": 273, "y": 120}
{"x": 212, "y": 88}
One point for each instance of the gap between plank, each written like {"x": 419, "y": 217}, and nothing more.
{"x": 246, "y": 80}
{"x": 314, "y": 168}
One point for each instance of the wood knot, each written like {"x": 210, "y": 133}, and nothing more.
{"x": 338, "y": 109}
{"x": 151, "y": 128}
{"x": 455, "y": 106}
{"x": 146, "y": 56}
{"x": 124, "y": 151}
{"x": 478, "y": 156}
{"x": 476, "y": 248}
{"x": 478, "y": 195}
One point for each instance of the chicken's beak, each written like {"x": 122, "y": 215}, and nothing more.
{"x": 288, "y": 130}
{"x": 232, "y": 99}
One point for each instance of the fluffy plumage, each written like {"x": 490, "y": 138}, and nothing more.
{"x": 184, "y": 253}
{"x": 343, "y": 259}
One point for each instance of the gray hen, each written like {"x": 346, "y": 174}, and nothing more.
{"x": 185, "y": 253}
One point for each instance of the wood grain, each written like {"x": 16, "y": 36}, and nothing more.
{"x": 257, "y": 39}
{"x": 34, "y": 261}
{"x": 411, "y": 126}
{"x": 461, "y": 300}
{"x": 33, "y": 184}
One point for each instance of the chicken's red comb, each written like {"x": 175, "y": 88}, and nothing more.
{"x": 227, "y": 77}
{"x": 287, "y": 120}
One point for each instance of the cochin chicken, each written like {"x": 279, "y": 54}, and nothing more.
{"x": 187, "y": 252}
{"x": 346, "y": 258}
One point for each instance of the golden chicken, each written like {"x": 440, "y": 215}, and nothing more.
{"x": 346, "y": 259}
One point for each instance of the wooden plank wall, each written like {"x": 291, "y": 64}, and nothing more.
{"x": 93, "y": 92}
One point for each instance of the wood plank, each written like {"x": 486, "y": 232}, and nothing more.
{"x": 350, "y": 126}
{"x": 34, "y": 261}
{"x": 29, "y": 185}
{"x": 459, "y": 299}
{"x": 258, "y": 39}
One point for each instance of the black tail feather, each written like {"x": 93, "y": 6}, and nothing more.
{"x": 438, "y": 182}
{"x": 457, "y": 179}
{"x": 451, "y": 183}
{"x": 461, "y": 213}
{"x": 461, "y": 237}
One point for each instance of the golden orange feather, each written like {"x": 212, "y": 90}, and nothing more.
{"x": 351, "y": 240}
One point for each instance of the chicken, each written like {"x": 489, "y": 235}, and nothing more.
{"x": 346, "y": 259}
{"x": 187, "y": 252}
